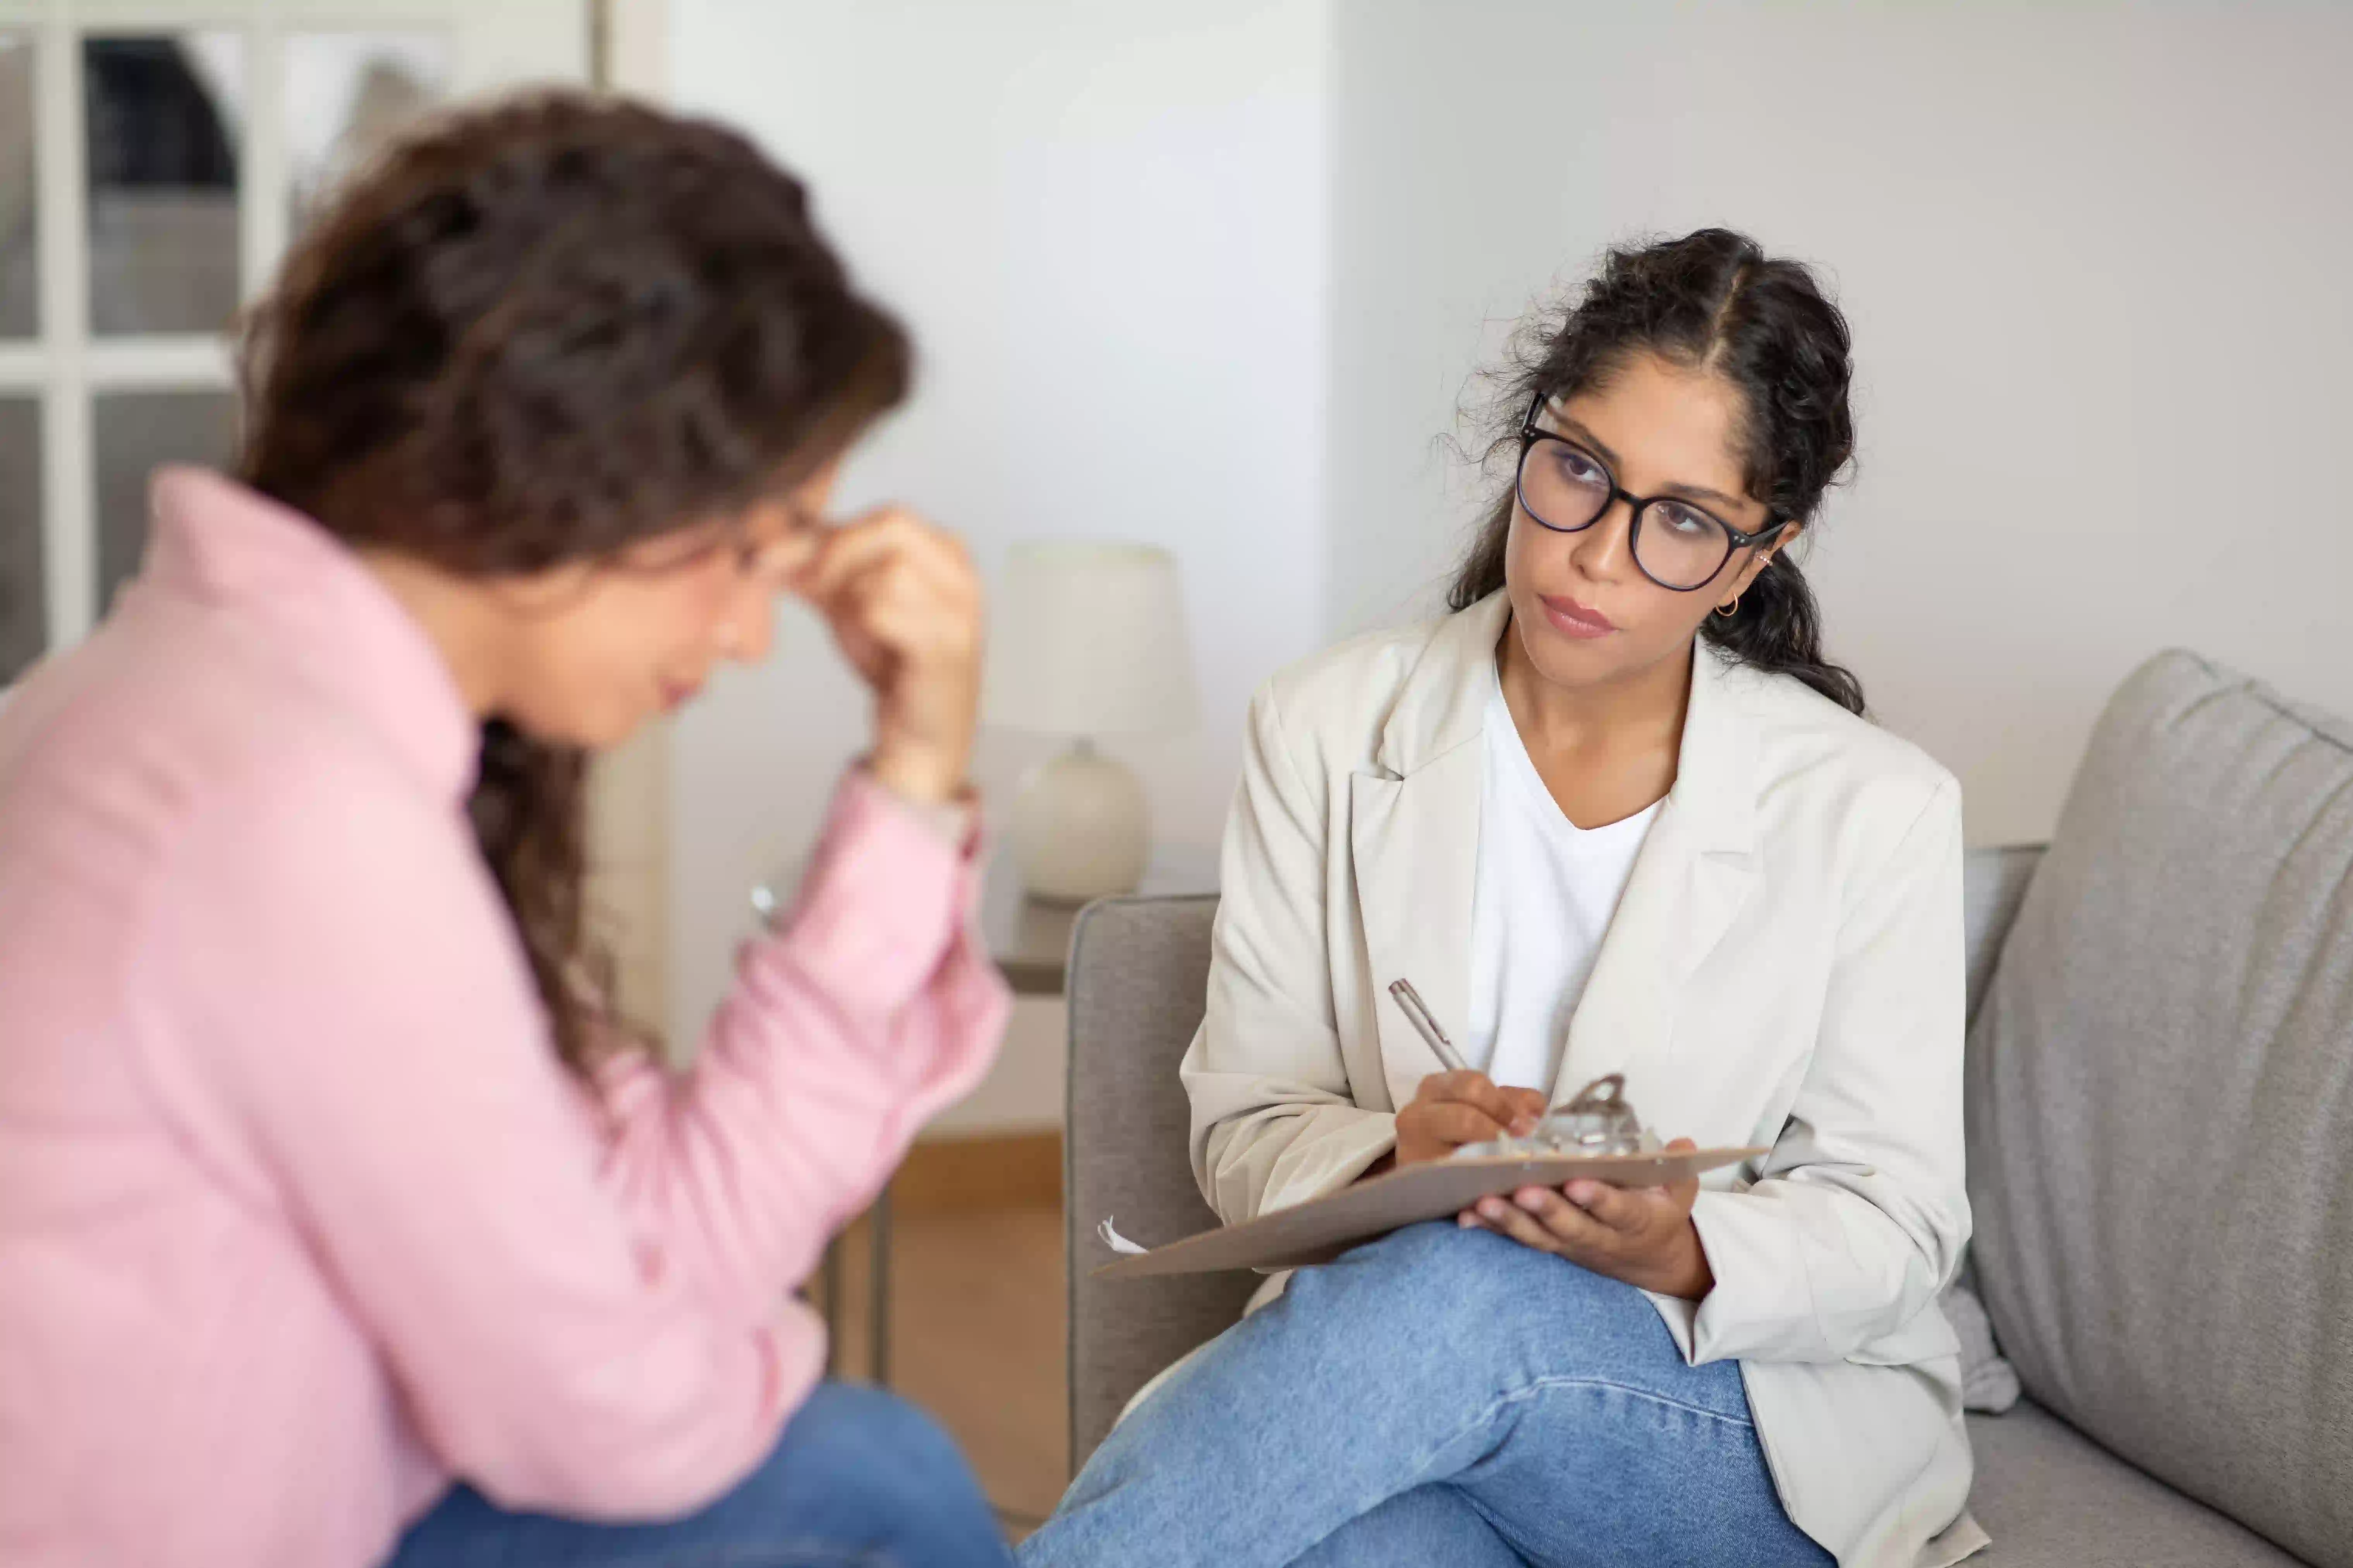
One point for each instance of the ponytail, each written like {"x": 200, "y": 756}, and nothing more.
{"x": 1777, "y": 626}
{"x": 530, "y": 816}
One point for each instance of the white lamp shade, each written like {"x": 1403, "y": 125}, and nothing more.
{"x": 1089, "y": 638}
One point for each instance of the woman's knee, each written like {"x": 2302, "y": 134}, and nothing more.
{"x": 1439, "y": 1276}
{"x": 848, "y": 1436}
{"x": 1504, "y": 1313}
{"x": 862, "y": 1465}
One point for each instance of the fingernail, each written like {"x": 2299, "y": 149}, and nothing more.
{"x": 1578, "y": 1193}
{"x": 1492, "y": 1207}
{"x": 1523, "y": 1125}
{"x": 1530, "y": 1201}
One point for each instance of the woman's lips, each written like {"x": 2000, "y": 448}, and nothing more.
{"x": 1572, "y": 619}
{"x": 676, "y": 694}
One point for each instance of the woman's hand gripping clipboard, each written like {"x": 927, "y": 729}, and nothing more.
{"x": 1595, "y": 1136}
{"x": 1320, "y": 1230}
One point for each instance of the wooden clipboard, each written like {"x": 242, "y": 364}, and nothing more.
{"x": 1320, "y": 1230}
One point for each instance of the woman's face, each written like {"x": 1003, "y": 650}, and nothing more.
{"x": 595, "y": 649}
{"x": 1583, "y": 611}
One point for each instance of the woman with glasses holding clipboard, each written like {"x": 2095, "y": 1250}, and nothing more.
{"x": 1614, "y": 814}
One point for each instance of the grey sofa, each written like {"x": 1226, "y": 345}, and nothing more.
{"x": 2047, "y": 1491}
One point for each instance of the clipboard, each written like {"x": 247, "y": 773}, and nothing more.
{"x": 1320, "y": 1230}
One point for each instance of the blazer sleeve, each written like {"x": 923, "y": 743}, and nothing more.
{"x": 1274, "y": 1123}
{"x": 1858, "y": 1215}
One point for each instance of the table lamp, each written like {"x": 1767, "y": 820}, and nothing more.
{"x": 1087, "y": 639}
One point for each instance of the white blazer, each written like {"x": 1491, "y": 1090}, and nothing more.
{"x": 1785, "y": 969}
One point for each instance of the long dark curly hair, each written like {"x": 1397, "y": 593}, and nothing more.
{"x": 539, "y": 332}
{"x": 1712, "y": 299}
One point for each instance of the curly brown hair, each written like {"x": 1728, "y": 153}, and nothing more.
{"x": 538, "y": 333}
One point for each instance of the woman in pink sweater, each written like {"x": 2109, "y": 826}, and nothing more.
{"x": 340, "y": 1221}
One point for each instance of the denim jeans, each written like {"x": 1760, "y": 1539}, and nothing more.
{"x": 1439, "y": 1396}
{"x": 858, "y": 1477}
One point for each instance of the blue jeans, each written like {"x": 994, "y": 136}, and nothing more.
{"x": 1439, "y": 1396}
{"x": 858, "y": 1477}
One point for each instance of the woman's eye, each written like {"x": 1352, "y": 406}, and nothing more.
{"x": 763, "y": 558}
{"x": 1579, "y": 469}
{"x": 1686, "y": 521}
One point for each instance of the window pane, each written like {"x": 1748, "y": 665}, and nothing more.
{"x": 19, "y": 299}
{"x": 132, "y": 432}
{"x": 346, "y": 94}
{"x": 163, "y": 117}
{"x": 24, "y": 621}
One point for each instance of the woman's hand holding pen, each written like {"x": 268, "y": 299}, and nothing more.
{"x": 905, "y": 605}
{"x": 1643, "y": 1236}
{"x": 1451, "y": 1108}
{"x": 1455, "y": 1106}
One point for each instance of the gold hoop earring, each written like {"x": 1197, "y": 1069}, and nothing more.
{"x": 1730, "y": 610}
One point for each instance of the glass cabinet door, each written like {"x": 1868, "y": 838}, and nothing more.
{"x": 19, "y": 258}
{"x": 162, "y": 118}
{"x": 155, "y": 161}
{"x": 24, "y": 614}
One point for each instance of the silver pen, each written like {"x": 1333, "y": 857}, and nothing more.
{"x": 1417, "y": 1012}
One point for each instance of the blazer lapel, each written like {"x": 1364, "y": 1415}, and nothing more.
{"x": 1414, "y": 839}
{"x": 1696, "y": 870}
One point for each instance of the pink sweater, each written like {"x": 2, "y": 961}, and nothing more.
{"x": 300, "y": 1216}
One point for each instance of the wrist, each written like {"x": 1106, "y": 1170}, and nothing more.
{"x": 916, "y": 774}
{"x": 1684, "y": 1271}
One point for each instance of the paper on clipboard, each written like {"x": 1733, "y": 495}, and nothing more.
{"x": 1320, "y": 1230}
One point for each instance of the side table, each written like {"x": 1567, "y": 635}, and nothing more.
{"x": 1030, "y": 940}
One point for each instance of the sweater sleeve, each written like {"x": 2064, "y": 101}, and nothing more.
{"x": 581, "y": 1299}
{"x": 868, "y": 1009}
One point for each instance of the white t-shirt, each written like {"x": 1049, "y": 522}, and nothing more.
{"x": 1545, "y": 893}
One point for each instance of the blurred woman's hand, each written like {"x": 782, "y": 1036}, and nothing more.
{"x": 904, "y": 606}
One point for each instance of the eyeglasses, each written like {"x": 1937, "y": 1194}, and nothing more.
{"x": 769, "y": 560}
{"x": 1566, "y": 488}
{"x": 774, "y": 560}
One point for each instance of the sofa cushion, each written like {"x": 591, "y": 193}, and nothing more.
{"x": 1993, "y": 882}
{"x": 2051, "y": 1499}
{"x": 2160, "y": 1105}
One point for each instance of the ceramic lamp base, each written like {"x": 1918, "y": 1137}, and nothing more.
{"x": 1080, "y": 830}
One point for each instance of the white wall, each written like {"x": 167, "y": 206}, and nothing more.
{"x": 1218, "y": 276}
{"x": 1107, "y": 228}
{"x": 2095, "y": 261}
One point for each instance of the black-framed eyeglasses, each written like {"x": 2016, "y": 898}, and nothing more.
{"x": 1566, "y": 488}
